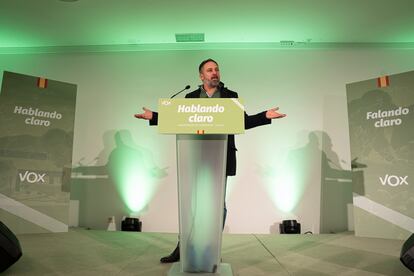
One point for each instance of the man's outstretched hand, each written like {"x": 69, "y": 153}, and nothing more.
{"x": 273, "y": 114}
{"x": 146, "y": 115}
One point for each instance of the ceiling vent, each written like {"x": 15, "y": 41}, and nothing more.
{"x": 189, "y": 37}
{"x": 287, "y": 43}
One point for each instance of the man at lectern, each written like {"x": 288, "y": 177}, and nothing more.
{"x": 212, "y": 87}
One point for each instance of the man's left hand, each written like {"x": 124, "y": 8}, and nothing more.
{"x": 273, "y": 114}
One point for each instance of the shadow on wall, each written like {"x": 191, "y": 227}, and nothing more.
{"x": 293, "y": 184}
{"x": 122, "y": 181}
{"x": 336, "y": 189}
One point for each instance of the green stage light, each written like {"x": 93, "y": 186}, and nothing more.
{"x": 289, "y": 227}
{"x": 131, "y": 224}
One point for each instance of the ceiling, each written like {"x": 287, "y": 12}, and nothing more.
{"x": 99, "y": 23}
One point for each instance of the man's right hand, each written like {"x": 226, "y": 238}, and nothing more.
{"x": 146, "y": 115}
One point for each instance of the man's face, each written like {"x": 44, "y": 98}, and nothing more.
{"x": 210, "y": 74}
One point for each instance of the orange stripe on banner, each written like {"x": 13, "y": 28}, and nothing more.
{"x": 41, "y": 82}
{"x": 383, "y": 81}
{"x": 200, "y": 131}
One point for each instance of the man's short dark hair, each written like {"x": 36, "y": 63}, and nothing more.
{"x": 204, "y": 62}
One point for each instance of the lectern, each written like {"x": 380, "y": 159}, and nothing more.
{"x": 201, "y": 127}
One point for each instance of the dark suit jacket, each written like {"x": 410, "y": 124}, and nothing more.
{"x": 249, "y": 122}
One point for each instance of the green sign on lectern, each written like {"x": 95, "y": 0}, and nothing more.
{"x": 201, "y": 116}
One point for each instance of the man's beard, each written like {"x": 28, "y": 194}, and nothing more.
{"x": 213, "y": 83}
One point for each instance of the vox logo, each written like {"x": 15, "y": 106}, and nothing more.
{"x": 394, "y": 180}
{"x": 32, "y": 177}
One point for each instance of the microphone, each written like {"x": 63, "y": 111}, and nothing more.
{"x": 185, "y": 88}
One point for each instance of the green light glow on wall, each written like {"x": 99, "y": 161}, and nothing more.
{"x": 285, "y": 193}
{"x": 287, "y": 182}
{"x": 285, "y": 189}
{"x": 134, "y": 186}
{"x": 133, "y": 173}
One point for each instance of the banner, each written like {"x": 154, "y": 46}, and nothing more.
{"x": 36, "y": 138}
{"x": 381, "y": 126}
{"x": 201, "y": 116}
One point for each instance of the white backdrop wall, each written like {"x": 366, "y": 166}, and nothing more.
{"x": 307, "y": 84}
